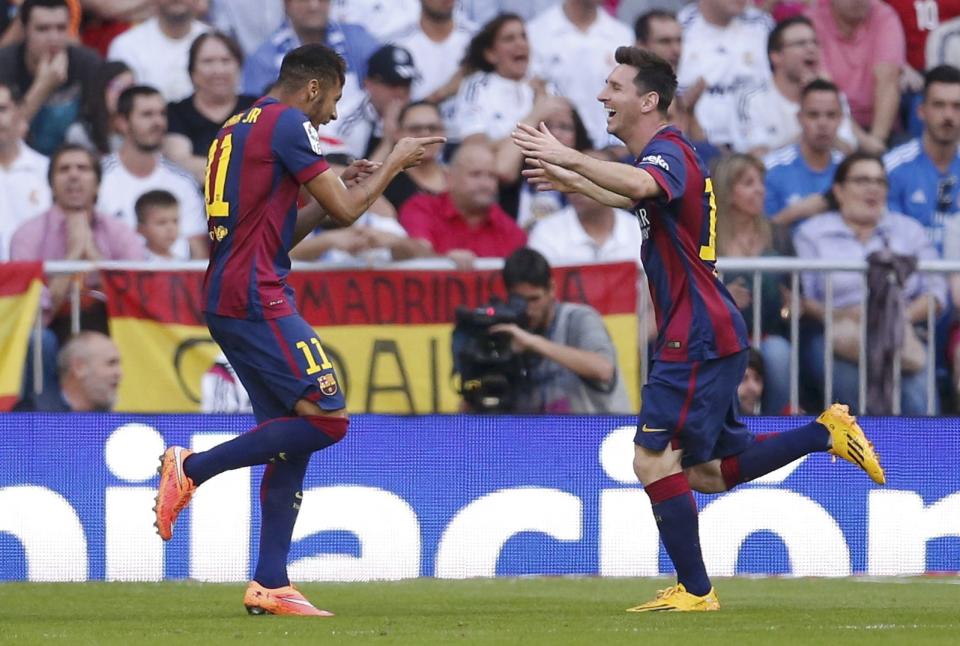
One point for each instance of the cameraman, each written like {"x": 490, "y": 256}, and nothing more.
{"x": 571, "y": 361}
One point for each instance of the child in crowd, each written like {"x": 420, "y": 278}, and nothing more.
{"x": 158, "y": 221}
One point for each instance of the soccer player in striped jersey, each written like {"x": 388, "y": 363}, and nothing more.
{"x": 255, "y": 169}
{"x": 688, "y": 434}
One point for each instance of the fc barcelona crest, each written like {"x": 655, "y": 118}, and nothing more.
{"x": 328, "y": 384}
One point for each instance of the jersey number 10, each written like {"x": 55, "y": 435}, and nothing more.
{"x": 216, "y": 206}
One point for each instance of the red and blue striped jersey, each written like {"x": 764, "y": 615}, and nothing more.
{"x": 697, "y": 318}
{"x": 254, "y": 171}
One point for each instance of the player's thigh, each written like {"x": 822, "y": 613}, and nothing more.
{"x": 733, "y": 437}
{"x": 234, "y": 338}
{"x": 690, "y": 406}
{"x": 288, "y": 359}
{"x": 308, "y": 373}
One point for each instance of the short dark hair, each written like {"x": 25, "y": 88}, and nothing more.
{"x": 641, "y": 28}
{"x": 69, "y": 148}
{"x": 474, "y": 59}
{"x": 775, "y": 39}
{"x": 417, "y": 104}
{"x": 654, "y": 74}
{"x": 28, "y": 6}
{"x": 526, "y": 265}
{"x": 157, "y": 198}
{"x": 129, "y": 96}
{"x": 843, "y": 169}
{"x": 232, "y": 46}
{"x": 818, "y": 85}
{"x": 314, "y": 61}
{"x": 940, "y": 74}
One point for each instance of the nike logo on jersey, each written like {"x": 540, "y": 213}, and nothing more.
{"x": 647, "y": 429}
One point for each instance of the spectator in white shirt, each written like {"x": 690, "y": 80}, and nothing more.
{"x": 587, "y": 231}
{"x": 573, "y": 46}
{"x": 381, "y": 18}
{"x": 767, "y": 112}
{"x": 139, "y": 167}
{"x": 500, "y": 94}
{"x": 437, "y": 43}
{"x": 249, "y": 22}
{"x": 156, "y": 49}
{"x": 497, "y": 93}
{"x": 727, "y": 49}
{"x": 481, "y": 12}
{"x": 24, "y": 191}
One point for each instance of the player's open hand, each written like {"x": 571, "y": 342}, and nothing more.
{"x": 539, "y": 143}
{"x": 409, "y": 150}
{"x": 544, "y": 176}
{"x": 358, "y": 171}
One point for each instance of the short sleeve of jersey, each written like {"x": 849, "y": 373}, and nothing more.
{"x": 297, "y": 145}
{"x": 664, "y": 160}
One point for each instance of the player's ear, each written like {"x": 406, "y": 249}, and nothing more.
{"x": 650, "y": 102}
{"x": 313, "y": 89}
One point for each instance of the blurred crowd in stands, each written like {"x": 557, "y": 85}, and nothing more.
{"x": 831, "y": 128}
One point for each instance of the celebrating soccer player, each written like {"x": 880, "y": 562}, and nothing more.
{"x": 255, "y": 168}
{"x": 688, "y": 433}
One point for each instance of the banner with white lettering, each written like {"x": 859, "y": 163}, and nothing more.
{"x": 462, "y": 496}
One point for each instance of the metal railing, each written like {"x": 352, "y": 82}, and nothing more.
{"x": 756, "y": 266}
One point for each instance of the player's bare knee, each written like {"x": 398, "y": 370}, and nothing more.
{"x": 650, "y": 466}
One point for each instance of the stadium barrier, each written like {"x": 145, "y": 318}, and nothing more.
{"x": 462, "y": 496}
{"x": 440, "y": 396}
{"x": 386, "y": 330}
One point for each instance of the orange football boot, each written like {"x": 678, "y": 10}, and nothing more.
{"x": 174, "y": 492}
{"x": 279, "y": 601}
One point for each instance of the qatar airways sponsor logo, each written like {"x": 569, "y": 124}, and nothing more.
{"x": 214, "y": 538}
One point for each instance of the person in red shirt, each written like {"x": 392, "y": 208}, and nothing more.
{"x": 919, "y": 18}
{"x": 465, "y": 222}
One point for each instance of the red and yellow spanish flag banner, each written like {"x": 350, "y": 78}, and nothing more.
{"x": 386, "y": 331}
{"x": 20, "y": 287}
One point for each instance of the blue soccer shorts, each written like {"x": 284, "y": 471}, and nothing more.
{"x": 693, "y": 406}
{"x": 279, "y": 361}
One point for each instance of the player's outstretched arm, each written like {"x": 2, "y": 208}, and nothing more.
{"x": 312, "y": 216}
{"x": 633, "y": 183}
{"x": 544, "y": 176}
{"x": 345, "y": 204}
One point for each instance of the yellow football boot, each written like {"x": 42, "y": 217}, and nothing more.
{"x": 677, "y": 599}
{"x": 849, "y": 442}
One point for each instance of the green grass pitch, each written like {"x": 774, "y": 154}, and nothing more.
{"x": 528, "y": 611}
